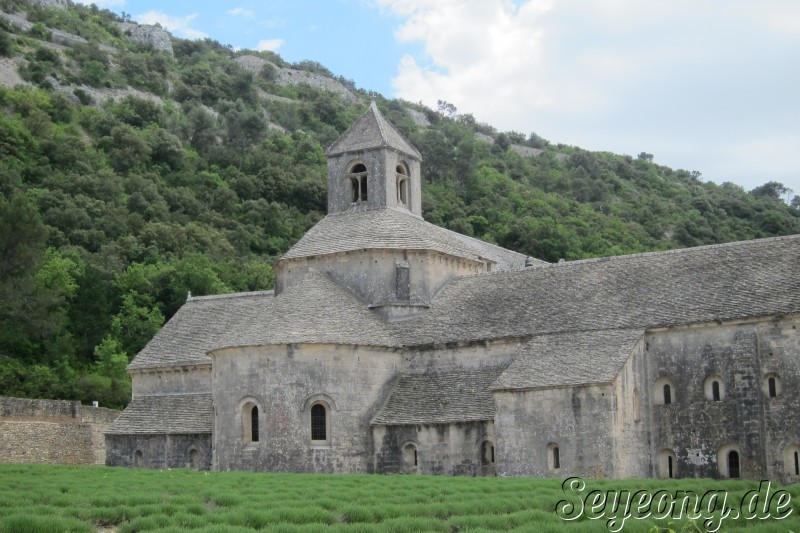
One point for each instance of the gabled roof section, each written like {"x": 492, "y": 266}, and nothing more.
{"x": 720, "y": 282}
{"x": 569, "y": 359}
{"x": 169, "y": 414}
{"x": 316, "y": 310}
{"x": 372, "y": 130}
{"x": 388, "y": 228}
{"x": 185, "y": 339}
{"x": 457, "y": 396}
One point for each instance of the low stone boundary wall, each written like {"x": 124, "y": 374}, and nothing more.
{"x": 52, "y": 431}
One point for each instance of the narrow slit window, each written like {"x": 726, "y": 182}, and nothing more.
{"x": 669, "y": 467}
{"x": 254, "y": 424}
{"x": 715, "y": 391}
{"x": 796, "y": 464}
{"x": 667, "y": 394}
{"x": 556, "y": 458}
{"x": 773, "y": 390}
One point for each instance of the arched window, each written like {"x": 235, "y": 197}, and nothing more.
{"x": 791, "y": 461}
{"x": 402, "y": 184}
{"x": 319, "y": 423}
{"x": 358, "y": 182}
{"x": 138, "y": 458}
{"x": 728, "y": 461}
{"x": 733, "y": 464}
{"x": 714, "y": 388}
{"x": 487, "y": 453}
{"x": 410, "y": 458}
{"x": 663, "y": 391}
{"x": 553, "y": 457}
{"x": 667, "y": 464}
{"x": 194, "y": 459}
{"x": 771, "y": 385}
{"x": 251, "y": 426}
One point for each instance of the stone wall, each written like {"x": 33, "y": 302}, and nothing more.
{"x": 459, "y": 449}
{"x": 700, "y": 429}
{"x": 180, "y": 380}
{"x": 160, "y": 451}
{"x": 52, "y": 431}
{"x": 576, "y": 420}
{"x": 284, "y": 382}
{"x": 631, "y": 430}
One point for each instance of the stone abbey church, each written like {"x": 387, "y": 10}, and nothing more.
{"x": 391, "y": 345}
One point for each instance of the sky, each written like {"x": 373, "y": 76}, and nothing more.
{"x": 704, "y": 85}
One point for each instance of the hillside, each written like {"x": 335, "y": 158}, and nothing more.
{"x": 137, "y": 167}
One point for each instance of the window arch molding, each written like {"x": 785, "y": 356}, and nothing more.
{"x": 667, "y": 464}
{"x": 771, "y": 385}
{"x": 194, "y": 457}
{"x": 356, "y": 177}
{"x": 251, "y": 420}
{"x": 791, "y": 461}
{"x": 316, "y": 412}
{"x": 714, "y": 387}
{"x": 729, "y": 461}
{"x": 485, "y": 448}
{"x": 403, "y": 180}
{"x": 410, "y": 452}
{"x": 554, "y": 457}
{"x": 664, "y": 391}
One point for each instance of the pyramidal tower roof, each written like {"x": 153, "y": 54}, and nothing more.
{"x": 372, "y": 130}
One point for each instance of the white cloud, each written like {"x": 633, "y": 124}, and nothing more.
{"x": 269, "y": 45}
{"x": 246, "y": 13}
{"x": 105, "y": 4}
{"x": 695, "y": 78}
{"x": 180, "y": 26}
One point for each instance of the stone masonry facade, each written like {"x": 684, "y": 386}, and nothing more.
{"x": 391, "y": 345}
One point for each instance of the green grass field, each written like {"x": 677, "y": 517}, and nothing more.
{"x": 44, "y": 498}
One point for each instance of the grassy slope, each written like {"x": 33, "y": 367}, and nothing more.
{"x": 48, "y": 498}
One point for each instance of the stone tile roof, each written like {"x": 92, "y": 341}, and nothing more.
{"x": 388, "y": 228}
{"x": 185, "y": 339}
{"x": 174, "y": 414}
{"x": 709, "y": 283}
{"x": 457, "y": 396}
{"x": 318, "y": 310}
{"x": 371, "y": 130}
{"x": 566, "y": 359}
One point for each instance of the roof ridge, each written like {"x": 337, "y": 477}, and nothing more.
{"x": 373, "y": 107}
{"x": 248, "y": 294}
{"x": 167, "y": 394}
{"x": 625, "y": 257}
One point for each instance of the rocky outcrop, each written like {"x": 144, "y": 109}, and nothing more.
{"x": 59, "y": 4}
{"x": 158, "y": 38}
{"x": 290, "y": 76}
{"x": 526, "y": 151}
{"x": 419, "y": 118}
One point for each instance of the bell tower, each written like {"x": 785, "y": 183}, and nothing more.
{"x": 372, "y": 166}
